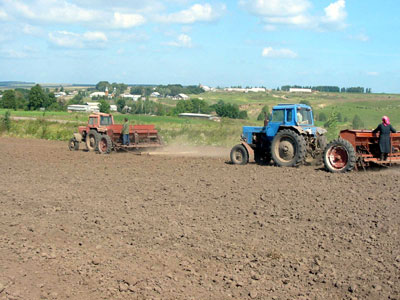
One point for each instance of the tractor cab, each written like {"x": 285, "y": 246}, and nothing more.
{"x": 100, "y": 120}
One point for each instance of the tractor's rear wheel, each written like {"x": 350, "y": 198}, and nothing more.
{"x": 288, "y": 148}
{"x": 73, "y": 145}
{"x": 339, "y": 156}
{"x": 239, "y": 155}
{"x": 104, "y": 145}
{"x": 92, "y": 139}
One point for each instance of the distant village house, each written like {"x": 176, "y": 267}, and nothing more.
{"x": 299, "y": 90}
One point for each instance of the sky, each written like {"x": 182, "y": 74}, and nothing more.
{"x": 216, "y": 43}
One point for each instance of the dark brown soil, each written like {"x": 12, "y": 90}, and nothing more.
{"x": 79, "y": 225}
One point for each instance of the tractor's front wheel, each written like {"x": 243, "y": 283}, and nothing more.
{"x": 104, "y": 145}
{"x": 288, "y": 148}
{"x": 339, "y": 156}
{"x": 92, "y": 139}
{"x": 239, "y": 155}
{"x": 73, "y": 145}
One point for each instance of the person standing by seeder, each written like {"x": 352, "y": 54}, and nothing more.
{"x": 384, "y": 130}
{"x": 125, "y": 133}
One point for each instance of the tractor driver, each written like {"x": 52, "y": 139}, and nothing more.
{"x": 299, "y": 116}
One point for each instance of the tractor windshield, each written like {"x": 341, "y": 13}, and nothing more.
{"x": 105, "y": 120}
{"x": 304, "y": 117}
{"x": 278, "y": 115}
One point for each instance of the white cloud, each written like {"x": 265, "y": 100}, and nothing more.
{"x": 278, "y": 53}
{"x": 65, "y": 39}
{"x": 54, "y": 11}
{"x": 296, "y": 13}
{"x": 31, "y": 30}
{"x": 66, "y": 12}
{"x": 183, "y": 41}
{"x": 359, "y": 37}
{"x": 276, "y": 7}
{"x": 336, "y": 11}
{"x": 196, "y": 13}
{"x": 10, "y": 53}
{"x": 372, "y": 73}
{"x": 127, "y": 20}
{"x": 3, "y": 15}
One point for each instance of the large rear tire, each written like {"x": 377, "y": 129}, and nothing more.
{"x": 239, "y": 155}
{"x": 105, "y": 144}
{"x": 92, "y": 140}
{"x": 339, "y": 156}
{"x": 288, "y": 148}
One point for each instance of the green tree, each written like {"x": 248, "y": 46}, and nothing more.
{"x": 357, "y": 123}
{"x": 332, "y": 125}
{"x": 120, "y": 104}
{"x": 322, "y": 117}
{"x": 339, "y": 117}
{"x": 36, "y": 97}
{"x": 49, "y": 100}
{"x": 6, "y": 122}
{"x": 243, "y": 115}
{"x": 104, "y": 106}
{"x": 264, "y": 111}
{"x": 9, "y": 99}
{"x": 101, "y": 86}
{"x": 306, "y": 102}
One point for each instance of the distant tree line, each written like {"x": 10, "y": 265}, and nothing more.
{"x": 119, "y": 87}
{"x": 222, "y": 109}
{"x": 330, "y": 89}
{"x": 32, "y": 99}
{"x": 166, "y": 90}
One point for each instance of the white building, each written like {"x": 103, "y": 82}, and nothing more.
{"x": 181, "y": 97}
{"x": 299, "y": 90}
{"x": 201, "y": 116}
{"x": 246, "y": 90}
{"x": 78, "y": 108}
{"x": 113, "y": 107}
{"x": 133, "y": 97}
{"x": 155, "y": 94}
{"x": 205, "y": 88}
{"x": 88, "y": 107}
{"x": 97, "y": 94}
{"x": 60, "y": 94}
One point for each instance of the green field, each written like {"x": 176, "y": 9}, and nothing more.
{"x": 369, "y": 107}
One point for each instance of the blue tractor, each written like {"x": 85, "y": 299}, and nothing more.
{"x": 290, "y": 138}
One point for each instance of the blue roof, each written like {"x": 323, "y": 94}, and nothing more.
{"x": 285, "y": 105}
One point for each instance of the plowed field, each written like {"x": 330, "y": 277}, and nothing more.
{"x": 79, "y": 225}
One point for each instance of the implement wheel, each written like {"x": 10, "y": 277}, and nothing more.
{"x": 288, "y": 149}
{"x": 104, "y": 145}
{"x": 239, "y": 155}
{"x": 92, "y": 139}
{"x": 339, "y": 156}
{"x": 73, "y": 145}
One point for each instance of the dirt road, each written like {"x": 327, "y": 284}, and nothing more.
{"x": 78, "y": 225}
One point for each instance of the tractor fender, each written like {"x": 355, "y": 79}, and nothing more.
{"x": 78, "y": 137}
{"x": 296, "y": 129}
{"x": 250, "y": 151}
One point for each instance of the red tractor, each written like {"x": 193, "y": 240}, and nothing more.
{"x": 358, "y": 148}
{"x": 102, "y": 135}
